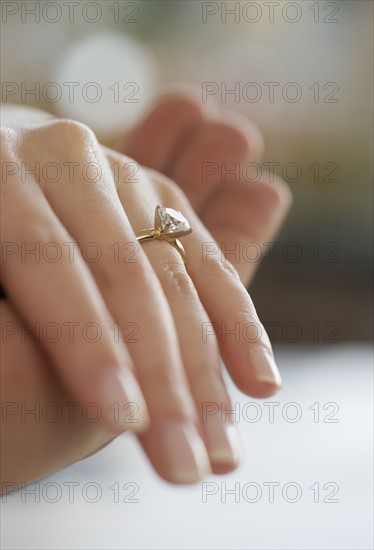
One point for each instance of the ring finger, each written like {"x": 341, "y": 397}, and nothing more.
{"x": 200, "y": 356}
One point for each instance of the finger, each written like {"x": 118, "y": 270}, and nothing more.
{"x": 135, "y": 299}
{"x": 40, "y": 419}
{"x": 61, "y": 294}
{"x": 256, "y": 212}
{"x": 243, "y": 342}
{"x": 201, "y": 358}
{"x": 215, "y": 154}
{"x": 157, "y": 140}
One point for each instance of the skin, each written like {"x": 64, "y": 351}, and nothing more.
{"x": 171, "y": 371}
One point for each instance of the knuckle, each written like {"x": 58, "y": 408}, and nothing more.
{"x": 7, "y": 135}
{"x": 72, "y": 129}
{"x": 68, "y": 134}
{"x": 218, "y": 268}
{"x": 171, "y": 386}
{"x": 175, "y": 278}
{"x": 111, "y": 273}
{"x": 271, "y": 197}
{"x": 167, "y": 188}
{"x": 8, "y": 142}
{"x": 164, "y": 378}
{"x": 175, "y": 195}
{"x": 206, "y": 372}
{"x": 282, "y": 193}
{"x": 42, "y": 233}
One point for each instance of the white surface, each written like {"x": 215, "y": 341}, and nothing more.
{"x": 167, "y": 517}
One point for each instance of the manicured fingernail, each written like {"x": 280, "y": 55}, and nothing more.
{"x": 185, "y": 453}
{"x": 264, "y": 368}
{"x": 123, "y": 401}
{"x": 223, "y": 441}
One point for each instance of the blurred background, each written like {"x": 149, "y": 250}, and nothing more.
{"x": 317, "y": 285}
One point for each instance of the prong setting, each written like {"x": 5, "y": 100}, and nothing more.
{"x": 171, "y": 223}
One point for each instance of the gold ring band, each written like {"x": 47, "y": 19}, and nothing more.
{"x": 148, "y": 234}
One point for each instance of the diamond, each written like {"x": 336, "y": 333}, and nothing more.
{"x": 178, "y": 225}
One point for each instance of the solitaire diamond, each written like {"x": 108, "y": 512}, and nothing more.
{"x": 178, "y": 225}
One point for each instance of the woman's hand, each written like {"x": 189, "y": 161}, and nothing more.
{"x": 214, "y": 156}
{"x": 169, "y": 304}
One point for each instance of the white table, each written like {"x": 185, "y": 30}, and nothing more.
{"x": 295, "y": 455}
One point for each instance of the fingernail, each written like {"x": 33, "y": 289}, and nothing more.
{"x": 185, "y": 453}
{"x": 264, "y": 368}
{"x": 123, "y": 401}
{"x": 223, "y": 441}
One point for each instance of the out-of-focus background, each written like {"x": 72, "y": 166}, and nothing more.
{"x": 301, "y": 70}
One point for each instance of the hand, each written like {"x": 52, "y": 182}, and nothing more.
{"x": 177, "y": 370}
{"x": 197, "y": 146}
